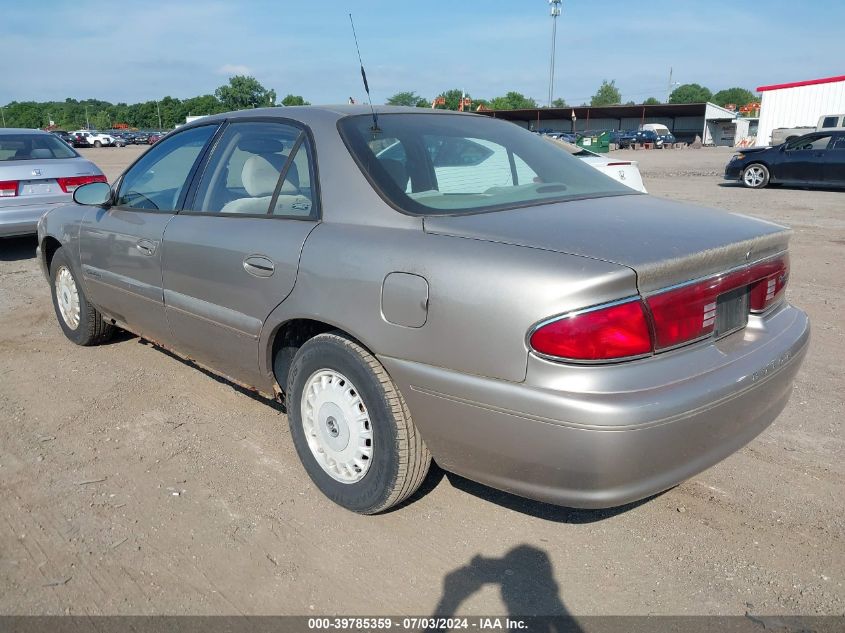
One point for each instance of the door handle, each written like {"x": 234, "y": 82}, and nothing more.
{"x": 259, "y": 266}
{"x": 147, "y": 247}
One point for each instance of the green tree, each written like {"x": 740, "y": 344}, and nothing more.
{"x": 453, "y": 99}
{"x": 407, "y": 98}
{"x": 205, "y": 104}
{"x": 512, "y": 101}
{"x": 608, "y": 94}
{"x": 245, "y": 92}
{"x": 101, "y": 120}
{"x": 690, "y": 93}
{"x": 652, "y": 101}
{"x": 560, "y": 102}
{"x": 294, "y": 100}
{"x": 737, "y": 96}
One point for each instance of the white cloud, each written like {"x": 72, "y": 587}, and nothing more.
{"x": 234, "y": 69}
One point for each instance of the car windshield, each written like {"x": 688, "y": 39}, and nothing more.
{"x": 33, "y": 147}
{"x": 432, "y": 164}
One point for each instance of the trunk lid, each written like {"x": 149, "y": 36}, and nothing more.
{"x": 36, "y": 178}
{"x": 664, "y": 242}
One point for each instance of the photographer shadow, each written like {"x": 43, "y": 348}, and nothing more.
{"x": 527, "y": 586}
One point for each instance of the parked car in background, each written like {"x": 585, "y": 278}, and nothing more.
{"x": 625, "y": 171}
{"x": 831, "y": 122}
{"x": 812, "y": 160}
{"x": 38, "y": 172}
{"x": 120, "y": 140}
{"x": 664, "y": 135}
{"x": 64, "y": 135}
{"x": 95, "y": 138}
{"x": 155, "y": 137}
{"x": 141, "y": 138}
{"x": 783, "y": 134}
{"x": 543, "y": 329}
{"x": 79, "y": 140}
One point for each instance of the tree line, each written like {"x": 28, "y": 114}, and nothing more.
{"x": 241, "y": 92}
{"x": 246, "y": 92}
{"x": 607, "y": 94}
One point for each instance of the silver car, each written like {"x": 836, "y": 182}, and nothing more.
{"x": 542, "y": 329}
{"x": 38, "y": 171}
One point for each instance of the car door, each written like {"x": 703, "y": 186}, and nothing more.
{"x": 120, "y": 245}
{"x": 803, "y": 158}
{"x": 232, "y": 255}
{"x": 834, "y": 164}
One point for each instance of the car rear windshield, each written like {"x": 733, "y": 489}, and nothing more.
{"x": 440, "y": 164}
{"x": 33, "y": 147}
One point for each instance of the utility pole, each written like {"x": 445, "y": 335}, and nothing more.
{"x": 87, "y": 125}
{"x": 158, "y": 111}
{"x": 555, "y": 12}
{"x": 3, "y": 112}
{"x": 669, "y": 89}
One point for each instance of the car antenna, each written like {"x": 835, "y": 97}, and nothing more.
{"x": 375, "y": 127}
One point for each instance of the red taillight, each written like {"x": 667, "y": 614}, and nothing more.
{"x": 677, "y": 316}
{"x": 607, "y": 333}
{"x": 771, "y": 281}
{"x": 687, "y": 313}
{"x": 69, "y": 184}
{"x": 8, "y": 188}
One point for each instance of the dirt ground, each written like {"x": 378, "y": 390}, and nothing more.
{"x": 133, "y": 483}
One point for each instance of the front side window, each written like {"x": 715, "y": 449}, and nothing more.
{"x": 839, "y": 143}
{"x": 33, "y": 147}
{"x": 830, "y": 121}
{"x": 258, "y": 168}
{"x": 809, "y": 143}
{"x": 452, "y": 164}
{"x": 157, "y": 180}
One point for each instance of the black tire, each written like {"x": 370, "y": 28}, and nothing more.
{"x": 400, "y": 459}
{"x": 97, "y": 144}
{"x": 91, "y": 328}
{"x": 755, "y": 176}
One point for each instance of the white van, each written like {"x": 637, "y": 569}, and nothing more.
{"x": 831, "y": 122}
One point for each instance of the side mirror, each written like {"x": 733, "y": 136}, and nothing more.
{"x": 94, "y": 194}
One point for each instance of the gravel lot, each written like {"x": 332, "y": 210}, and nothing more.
{"x": 131, "y": 482}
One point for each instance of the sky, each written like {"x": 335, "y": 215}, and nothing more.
{"x": 139, "y": 50}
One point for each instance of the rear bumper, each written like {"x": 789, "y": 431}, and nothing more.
{"x": 22, "y": 220}
{"x": 597, "y": 437}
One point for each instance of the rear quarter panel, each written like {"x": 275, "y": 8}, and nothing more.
{"x": 483, "y": 296}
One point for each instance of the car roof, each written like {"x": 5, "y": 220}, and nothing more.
{"x": 321, "y": 113}
{"x": 21, "y": 130}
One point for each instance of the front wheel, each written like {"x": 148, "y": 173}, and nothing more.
{"x": 755, "y": 176}
{"x": 351, "y": 427}
{"x": 79, "y": 320}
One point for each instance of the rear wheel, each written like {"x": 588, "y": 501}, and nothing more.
{"x": 755, "y": 176}
{"x": 97, "y": 144}
{"x": 351, "y": 427}
{"x": 79, "y": 320}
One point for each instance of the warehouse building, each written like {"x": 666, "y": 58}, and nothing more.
{"x": 713, "y": 124}
{"x": 799, "y": 104}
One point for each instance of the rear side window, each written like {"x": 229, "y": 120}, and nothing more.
{"x": 830, "y": 121}
{"x": 258, "y": 168}
{"x": 33, "y": 147}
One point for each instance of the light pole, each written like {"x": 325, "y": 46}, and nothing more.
{"x": 555, "y": 11}
{"x": 158, "y": 111}
{"x": 573, "y": 118}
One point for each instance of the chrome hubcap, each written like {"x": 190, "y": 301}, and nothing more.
{"x": 754, "y": 176}
{"x": 337, "y": 426}
{"x": 67, "y": 297}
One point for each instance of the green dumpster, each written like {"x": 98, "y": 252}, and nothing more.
{"x": 599, "y": 143}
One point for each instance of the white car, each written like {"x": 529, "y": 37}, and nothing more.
{"x": 625, "y": 171}
{"x": 492, "y": 165}
{"x": 95, "y": 138}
